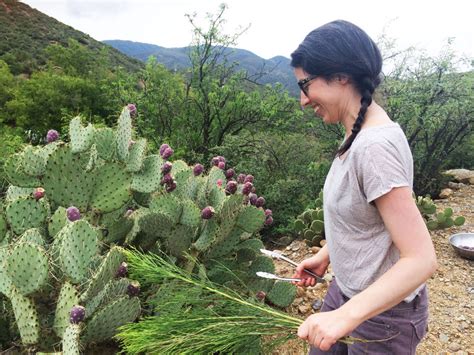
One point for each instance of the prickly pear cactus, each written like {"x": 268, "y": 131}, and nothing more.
{"x": 309, "y": 225}
{"x": 66, "y": 203}
{"x": 437, "y": 220}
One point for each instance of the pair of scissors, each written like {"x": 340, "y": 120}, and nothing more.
{"x": 278, "y": 256}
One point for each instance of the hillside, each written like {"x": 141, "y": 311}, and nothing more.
{"x": 26, "y": 32}
{"x": 277, "y": 69}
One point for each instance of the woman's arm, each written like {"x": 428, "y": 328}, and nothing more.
{"x": 417, "y": 263}
{"x": 417, "y": 257}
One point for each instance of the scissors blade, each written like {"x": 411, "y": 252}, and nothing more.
{"x": 267, "y": 275}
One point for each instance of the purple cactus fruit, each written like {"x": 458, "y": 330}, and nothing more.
{"x": 247, "y": 188}
{"x": 163, "y": 147}
{"x": 171, "y": 186}
{"x": 167, "y": 153}
{"x": 52, "y": 136}
{"x": 133, "y": 109}
{"x": 215, "y": 161}
{"x": 207, "y": 212}
{"x": 253, "y": 198}
{"x": 38, "y": 193}
{"x": 122, "y": 271}
{"x": 221, "y": 158}
{"x": 133, "y": 289}
{"x": 167, "y": 179}
{"x": 248, "y": 178}
{"x": 166, "y": 168}
{"x": 229, "y": 173}
{"x": 128, "y": 213}
{"x": 268, "y": 212}
{"x": 73, "y": 213}
{"x": 241, "y": 178}
{"x": 260, "y": 295}
{"x": 198, "y": 169}
{"x": 231, "y": 187}
{"x": 77, "y": 314}
{"x": 269, "y": 220}
{"x": 260, "y": 202}
{"x": 221, "y": 165}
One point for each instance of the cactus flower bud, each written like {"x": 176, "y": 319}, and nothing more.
{"x": 38, "y": 193}
{"x": 52, "y": 136}
{"x": 241, "y": 178}
{"x": 133, "y": 109}
{"x": 77, "y": 314}
{"x": 248, "y": 178}
{"x": 166, "y": 168}
{"x": 247, "y": 188}
{"x": 207, "y": 212}
{"x": 133, "y": 289}
{"x": 198, "y": 169}
{"x": 219, "y": 182}
{"x": 163, "y": 148}
{"x": 73, "y": 213}
{"x": 229, "y": 173}
{"x": 122, "y": 271}
{"x": 231, "y": 187}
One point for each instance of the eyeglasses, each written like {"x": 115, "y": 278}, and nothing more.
{"x": 303, "y": 83}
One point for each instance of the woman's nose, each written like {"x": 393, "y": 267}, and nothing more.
{"x": 304, "y": 101}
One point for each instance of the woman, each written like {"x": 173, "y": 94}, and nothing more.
{"x": 379, "y": 247}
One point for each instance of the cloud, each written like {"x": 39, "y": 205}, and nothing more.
{"x": 96, "y": 9}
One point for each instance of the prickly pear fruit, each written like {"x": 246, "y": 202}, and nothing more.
{"x": 122, "y": 271}
{"x": 167, "y": 153}
{"x": 133, "y": 109}
{"x": 207, "y": 212}
{"x": 260, "y": 295}
{"x": 229, "y": 173}
{"x": 52, "y": 136}
{"x": 231, "y": 187}
{"x": 268, "y": 212}
{"x": 73, "y": 213}
{"x": 248, "y": 178}
{"x": 221, "y": 165}
{"x": 268, "y": 220}
{"x": 163, "y": 147}
{"x": 38, "y": 193}
{"x": 171, "y": 186}
{"x": 260, "y": 202}
{"x": 247, "y": 188}
{"x": 166, "y": 168}
{"x": 241, "y": 178}
{"x": 253, "y": 198}
{"x": 167, "y": 179}
{"x": 133, "y": 289}
{"x": 198, "y": 169}
{"x": 77, "y": 314}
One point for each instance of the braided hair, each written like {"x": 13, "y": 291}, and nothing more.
{"x": 340, "y": 47}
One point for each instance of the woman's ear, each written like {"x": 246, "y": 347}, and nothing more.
{"x": 342, "y": 78}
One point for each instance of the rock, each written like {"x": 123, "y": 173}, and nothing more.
{"x": 461, "y": 175}
{"x": 443, "y": 338}
{"x": 304, "y": 308}
{"x": 445, "y": 193}
{"x": 316, "y": 305}
{"x": 300, "y": 291}
{"x": 454, "y": 347}
{"x": 455, "y": 185}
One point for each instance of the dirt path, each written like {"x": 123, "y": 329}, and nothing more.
{"x": 451, "y": 288}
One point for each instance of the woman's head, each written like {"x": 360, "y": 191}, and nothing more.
{"x": 336, "y": 50}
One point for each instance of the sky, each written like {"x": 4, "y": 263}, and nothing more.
{"x": 276, "y": 26}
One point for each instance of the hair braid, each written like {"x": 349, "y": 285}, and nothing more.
{"x": 366, "y": 86}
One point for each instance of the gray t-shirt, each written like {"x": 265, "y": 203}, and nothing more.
{"x": 360, "y": 247}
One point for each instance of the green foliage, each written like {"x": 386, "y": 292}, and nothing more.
{"x": 434, "y": 220}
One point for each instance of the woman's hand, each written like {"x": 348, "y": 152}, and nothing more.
{"x": 322, "y": 330}
{"x": 317, "y": 264}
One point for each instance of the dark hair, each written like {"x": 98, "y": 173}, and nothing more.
{"x": 342, "y": 48}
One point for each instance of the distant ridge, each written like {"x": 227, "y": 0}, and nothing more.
{"x": 178, "y": 58}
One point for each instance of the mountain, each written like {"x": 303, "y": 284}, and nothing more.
{"x": 277, "y": 69}
{"x": 26, "y": 32}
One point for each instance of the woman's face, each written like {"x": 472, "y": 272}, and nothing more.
{"x": 328, "y": 99}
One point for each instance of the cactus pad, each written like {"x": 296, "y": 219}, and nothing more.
{"x": 26, "y": 317}
{"x": 71, "y": 339}
{"x": 148, "y": 179}
{"x": 26, "y": 213}
{"x": 136, "y": 156}
{"x": 81, "y": 137}
{"x": 282, "y": 294}
{"x": 68, "y": 298}
{"x": 123, "y": 135}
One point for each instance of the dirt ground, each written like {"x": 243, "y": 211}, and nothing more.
{"x": 451, "y": 288}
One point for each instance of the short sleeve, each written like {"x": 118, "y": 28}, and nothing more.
{"x": 381, "y": 168}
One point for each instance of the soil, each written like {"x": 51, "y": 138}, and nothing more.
{"x": 451, "y": 288}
